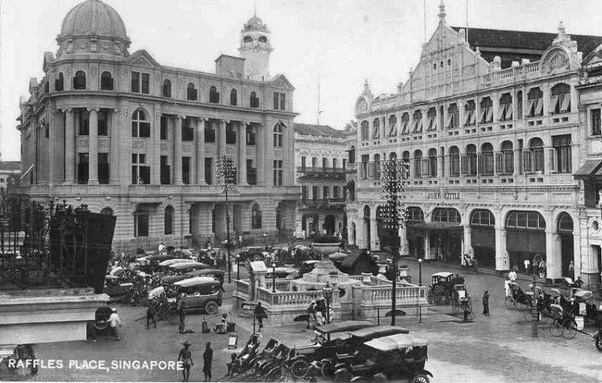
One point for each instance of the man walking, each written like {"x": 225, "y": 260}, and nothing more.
{"x": 486, "y": 303}
{"x": 185, "y": 357}
{"x": 260, "y": 314}
{"x": 182, "y": 314}
{"x": 151, "y": 313}
{"x": 207, "y": 359}
{"x": 114, "y": 321}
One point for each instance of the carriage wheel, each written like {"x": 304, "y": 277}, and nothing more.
{"x": 429, "y": 295}
{"x": 569, "y": 329}
{"x": 555, "y": 329}
{"x": 598, "y": 343}
{"x": 421, "y": 378}
{"x": 527, "y": 316}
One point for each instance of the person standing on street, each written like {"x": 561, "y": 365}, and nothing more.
{"x": 182, "y": 314}
{"x": 260, "y": 314}
{"x": 207, "y": 359}
{"x": 527, "y": 263}
{"x": 114, "y": 321}
{"x": 185, "y": 357}
{"x": 486, "y": 303}
{"x": 151, "y": 313}
{"x": 572, "y": 270}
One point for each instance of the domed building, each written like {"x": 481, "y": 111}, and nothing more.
{"x": 131, "y": 137}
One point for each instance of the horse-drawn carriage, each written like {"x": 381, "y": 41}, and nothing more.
{"x": 441, "y": 290}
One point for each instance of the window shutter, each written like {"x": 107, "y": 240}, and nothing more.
{"x": 553, "y": 104}
{"x": 539, "y": 107}
{"x": 468, "y": 117}
{"x": 509, "y": 112}
{"x": 527, "y": 161}
{"x": 502, "y": 112}
{"x": 404, "y": 128}
{"x": 448, "y": 122}
{"x": 482, "y": 114}
{"x": 530, "y": 104}
{"x": 464, "y": 164}
{"x": 499, "y": 162}
{"x": 489, "y": 114}
{"x": 566, "y": 103}
{"x": 553, "y": 160}
{"x": 426, "y": 170}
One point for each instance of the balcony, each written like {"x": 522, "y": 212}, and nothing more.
{"x": 315, "y": 173}
{"x": 313, "y": 170}
{"x": 324, "y": 203}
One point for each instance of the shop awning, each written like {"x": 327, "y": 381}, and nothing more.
{"x": 591, "y": 168}
{"x": 435, "y": 226}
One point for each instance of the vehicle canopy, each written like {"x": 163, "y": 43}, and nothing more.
{"x": 442, "y": 274}
{"x": 282, "y": 272}
{"x": 188, "y": 266}
{"x": 156, "y": 292}
{"x": 196, "y": 281}
{"x": 396, "y": 342}
{"x": 168, "y": 262}
{"x": 206, "y": 272}
{"x": 583, "y": 295}
{"x": 311, "y": 261}
{"x": 169, "y": 279}
{"x": 369, "y": 333}
{"x": 325, "y": 332}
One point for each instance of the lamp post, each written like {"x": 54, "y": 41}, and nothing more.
{"x": 419, "y": 284}
{"x": 273, "y": 277}
{"x": 327, "y": 292}
{"x": 265, "y": 240}
{"x": 226, "y": 171}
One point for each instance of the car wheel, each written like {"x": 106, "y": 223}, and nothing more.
{"x": 299, "y": 368}
{"x": 211, "y": 308}
{"x": 421, "y": 378}
{"x": 598, "y": 343}
{"x": 327, "y": 370}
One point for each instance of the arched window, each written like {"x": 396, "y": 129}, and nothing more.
{"x": 247, "y": 39}
{"x": 507, "y": 160}
{"x": 140, "y": 125}
{"x": 486, "y": 160}
{"x": 256, "y": 217}
{"x": 263, "y": 39}
{"x": 519, "y": 104}
{"x": 417, "y": 164}
{"x": 486, "y": 112}
{"x": 405, "y": 123}
{"x": 366, "y": 212}
{"x": 254, "y": 100}
{"x": 169, "y": 218}
{"x": 213, "y": 95}
{"x": 392, "y": 126}
{"x": 365, "y": 131}
{"x": 505, "y": 112}
{"x": 565, "y": 223}
{"x": 376, "y": 128}
{"x": 278, "y": 135}
{"x": 431, "y": 117}
{"x": 106, "y": 81}
{"x": 233, "y": 97}
{"x": 377, "y": 166}
{"x": 414, "y": 215}
{"x": 191, "y": 92}
{"x": 454, "y": 161}
{"x": 107, "y": 211}
{"x": 432, "y": 162}
{"x": 417, "y": 122}
{"x": 525, "y": 220}
{"x": 79, "y": 80}
{"x": 561, "y": 99}
{"x": 58, "y": 83}
{"x": 405, "y": 158}
{"x": 446, "y": 215}
{"x": 482, "y": 217}
{"x": 535, "y": 102}
{"x": 392, "y": 156}
{"x": 470, "y": 113}
{"x": 471, "y": 155}
{"x": 534, "y": 157}
{"x": 166, "y": 88}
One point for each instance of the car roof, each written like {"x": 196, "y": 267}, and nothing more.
{"x": 349, "y": 325}
{"x": 375, "y": 331}
{"x": 396, "y": 342}
{"x": 185, "y": 265}
{"x": 189, "y": 282}
{"x": 168, "y": 262}
{"x": 443, "y": 274}
{"x": 206, "y": 271}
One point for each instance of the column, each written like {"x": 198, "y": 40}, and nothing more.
{"x": 114, "y": 125}
{"x": 242, "y": 153}
{"x": 221, "y": 138}
{"x": 577, "y": 260}
{"x": 374, "y": 245}
{"x": 69, "y": 148}
{"x": 427, "y": 246}
{"x": 466, "y": 241}
{"x": 200, "y": 151}
{"x": 502, "y": 258}
{"x": 93, "y": 148}
{"x": 52, "y": 126}
{"x": 553, "y": 255}
{"x": 440, "y": 164}
{"x": 177, "y": 153}
{"x": 260, "y": 143}
{"x": 155, "y": 150}
{"x": 517, "y": 156}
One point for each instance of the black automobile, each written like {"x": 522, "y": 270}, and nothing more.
{"x": 100, "y": 324}
{"x": 254, "y": 253}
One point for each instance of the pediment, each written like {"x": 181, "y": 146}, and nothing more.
{"x": 142, "y": 58}
{"x": 282, "y": 82}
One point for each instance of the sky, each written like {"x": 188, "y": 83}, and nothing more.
{"x": 335, "y": 43}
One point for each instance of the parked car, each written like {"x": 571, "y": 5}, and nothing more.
{"x": 200, "y": 294}
{"x": 254, "y": 253}
{"x": 566, "y": 286}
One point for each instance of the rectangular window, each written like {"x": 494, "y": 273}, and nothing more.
{"x": 561, "y": 154}
{"x": 279, "y": 101}
{"x": 103, "y": 129}
{"x": 251, "y": 173}
{"x": 251, "y": 135}
{"x": 136, "y": 82}
{"x": 230, "y": 133}
{"x": 84, "y": 123}
{"x": 186, "y": 170}
{"x": 163, "y": 133}
{"x": 208, "y": 171}
{"x": 326, "y": 192}
{"x": 209, "y": 132}
{"x": 187, "y": 130}
{"x": 140, "y": 82}
{"x": 83, "y": 160}
{"x": 335, "y": 192}
{"x": 324, "y": 163}
{"x": 165, "y": 171}
{"x": 140, "y": 172}
{"x": 141, "y": 223}
{"x": 315, "y": 193}
{"x": 103, "y": 168}
{"x": 304, "y": 193}
{"x": 277, "y": 172}
{"x": 595, "y": 124}
{"x": 282, "y": 101}
{"x": 303, "y": 161}
{"x": 145, "y": 83}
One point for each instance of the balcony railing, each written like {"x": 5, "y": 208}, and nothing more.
{"x": 312, "y": 169}
{"x": 324, "y": 202}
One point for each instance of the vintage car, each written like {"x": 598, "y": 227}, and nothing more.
{"x": 168, "y": 262}
{"x": 200, "y": 294}
{"x": 186, "y": 267}
{"x": 215, "y": 273}
{"x": 399, "y": 356}
{"x": 308, "y": 266}
{"x": 282, "y": 273}
{"x": 324, "y": 345}
{"x": 566, "y": 286}
{"x": 254, "y": 253}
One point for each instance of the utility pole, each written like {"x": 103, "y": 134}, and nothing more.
{"x": 319, "y": 111}
{"x": 227, "y": 172}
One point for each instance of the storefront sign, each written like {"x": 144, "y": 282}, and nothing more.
{"x": 444, "y": 195}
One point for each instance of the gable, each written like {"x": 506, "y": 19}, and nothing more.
{"x": 282, "y": 82}
{"x": 142, "y": 58}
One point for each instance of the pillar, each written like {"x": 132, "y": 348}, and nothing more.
{"x": 69, "y": 148}
{"x": 374, "y": 245}
{"x": 242, "y": 154}
{"x": 427, "y": 246}
{"x": 113, "y": 117}
{"x": 155, "y": 150}
{"x": 194, "y": 208}
{"x": 260, "y": 143}
{"x": 93, "y": 148}
{"x": 177, "y": 154}
{"x": 221, "y": 137}
{"x": 52, "y": 153}
{"x": 200, "y": 151}
{"x": 502, "y": 258}
{"x": 466, "y": 242}
{"x": 553, "y": 256}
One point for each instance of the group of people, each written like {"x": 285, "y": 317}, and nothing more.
{"x": 317, "y": 313}
{"x": 185, "y": 357}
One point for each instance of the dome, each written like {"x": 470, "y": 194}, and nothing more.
{"x": 255, "y": 24}
{"x": 93, "y": 17}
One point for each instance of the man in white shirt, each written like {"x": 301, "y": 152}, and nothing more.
{"x": 512, "y": 276}
{"x": 114, "y": 321}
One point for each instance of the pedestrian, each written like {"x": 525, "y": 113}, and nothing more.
{"x": 311, "y": 312}
{"x": 512, "y": 276}
{"x": 260, "y": 314}
{"x": 579, "y": 282}
{"x": 571, "y": 269}
{"x": 185, "y": 357}
{"x": 207, "y": 359}
{"x": 182, "y": 314}
{"x": 526, "y": 262}
{"x": 486, "y": 303}
{"x": 114, "y": 321}
{"x": 151, "y": 313}
{"x": 161, "y": 247}
{"x": 465, "y": 310}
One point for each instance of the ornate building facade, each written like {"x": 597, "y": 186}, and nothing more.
{"x": 129, "y": 136}
{"x": 501, "y": 147}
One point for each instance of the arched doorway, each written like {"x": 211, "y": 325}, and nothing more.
{"x": 565, "y": 232}
{"x": 415, "y": 238}
{"x": 329, "y": 224}
{"x": 446, "y": 236}
{"x": 525, "y": 238}
{"x": 366, "y": 227}
{"x": 482, "y": 224}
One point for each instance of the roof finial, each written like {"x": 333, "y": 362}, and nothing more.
{"x": 561, "y": 29}
{"x": 255, "y": 8}
{"x": 442, "y": 13}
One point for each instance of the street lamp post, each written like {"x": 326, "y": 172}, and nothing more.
{"x": 238, "y": 266}
{"x": 419, "y": 284}
{"x": 265, "y": 239}
{"x": 327, "y": 292}
{"x": 226, "y": 171}
{"x": 273, "y": 277}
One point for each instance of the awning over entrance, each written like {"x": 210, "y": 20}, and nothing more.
{"x": 591, "y": 168}
{"x": 435, "y": 226}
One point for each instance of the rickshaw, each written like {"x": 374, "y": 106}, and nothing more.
{"x": 440, "y": 291}
{"x": 324, "y": 344}
{"x": 460, "y": 299}
{"x": 100, "y": 325}
{"x": 519, "y": 300}
{"x": 396, "y": 356}
{"x": 563, "y": 323}
{"x": 200, "y": 294}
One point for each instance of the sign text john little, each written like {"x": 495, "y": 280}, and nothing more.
{"x": 444, "y": 195}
